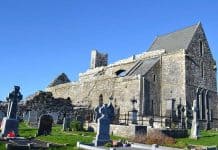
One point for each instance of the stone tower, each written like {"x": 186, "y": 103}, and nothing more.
{"x": 98, "y": 59}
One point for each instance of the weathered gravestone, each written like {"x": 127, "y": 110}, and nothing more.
{"x": 10, "y": 123}
{"x": 2, "y": 115}
{"x": 103, "y": 128}
{"x": 195, "y": 132}
{"x": 66, "y": 124}
{"x": 45, "y": 125}
{"x": 54, "y": 116}
{"x": 32, "y": 117}
{"x": 134, "y": 111}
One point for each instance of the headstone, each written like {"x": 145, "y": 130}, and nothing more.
{"x": 134, "y": 117}
{"x": 66, "y": 124}
{"x": 54, "y": 116}
{"x": 2, "y": 115}
{"x": 32, "y": 117}
{"x": 110, "y": 112}
{"x": 25, "y": 116}
{"x": 45, "y": 125}
{"x": 134, "y": 111}
{"x": 10, "y": 123}
{"x": 195, "y": 124}
{"x": 151, "y": 122}
{"x": 103, "y": 128}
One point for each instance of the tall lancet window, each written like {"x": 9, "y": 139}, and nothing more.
{"x": 202, "y": 69}
{"x": 201, "y": 45}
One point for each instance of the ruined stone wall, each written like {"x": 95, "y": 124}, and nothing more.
{"x": 173, "y": 79}
{"x": 87, "y": 93}
{"x": 201, "y": 71}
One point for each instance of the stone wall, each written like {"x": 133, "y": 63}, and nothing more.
{"x": 87, "y": 93}
{"x": 201, "y": 74}
{"x": 152, "y": 90}
{"x": 122, "y": 130}
{"x": 173, "y": 79}
{"x": 44, "y": 103}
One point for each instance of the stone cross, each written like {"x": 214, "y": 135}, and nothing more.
{"x": 97, "y": 115}
{"x": 195, "y": 124}
{"x": 134, "y": 111}
{"x": 13, "y": 99}
{"x": 103, "y": 128}
{"x": 10, "y": 123}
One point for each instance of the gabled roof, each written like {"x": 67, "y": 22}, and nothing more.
{"x": 61, "y": 79}
{"x": 143, "y": 66}
{"x": 173, "y": 41}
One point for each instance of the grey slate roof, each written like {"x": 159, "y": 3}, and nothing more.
{"x": 173, "y": 41}
{"x": 143, "y": 66}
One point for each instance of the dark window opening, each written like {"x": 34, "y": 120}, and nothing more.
{"x": 100, "y": 101}
{"x": 202, "y": 69}
{"x": 154, "y": 77}
{"x": 121, "y": 73}
{"x": 201, "y": 48}
{"x": 203, "y": 106}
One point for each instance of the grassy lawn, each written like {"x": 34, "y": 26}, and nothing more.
{"x": 59, "y": 137}
{"x": 208, "y": 138}
{"x": 2, "y": 146}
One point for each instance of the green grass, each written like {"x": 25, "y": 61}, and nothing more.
{"x": 2, "y": 146}
{"x": 208, "y": 138}
{"x": 60, "y": 137}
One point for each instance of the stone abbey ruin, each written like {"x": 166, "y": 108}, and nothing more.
{"x": 171, "y": 88}
{"x": 177, "y": 69}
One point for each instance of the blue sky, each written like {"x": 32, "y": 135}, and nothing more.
{"x": 39, "y": 39}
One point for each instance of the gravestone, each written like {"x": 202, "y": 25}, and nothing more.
{"x": 66, "y": 124}
{"x": 134, "y": 111}
{"x": 10, "y": 123}
{"x": 2, "y": 115}
{"x": 54, "y": 116}
{"x": 110, "y": 110}
{"x": 25, "y": 116}
{"x": 45, "y": 125}
{"x": 103, "y": 128}
{"x": 32, "y": 117}
{"x": 195, "y": 124}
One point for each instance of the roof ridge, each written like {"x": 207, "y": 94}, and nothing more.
{"x": 197, "y": 24}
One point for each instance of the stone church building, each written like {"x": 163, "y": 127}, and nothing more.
{"x": 176, "y": 69}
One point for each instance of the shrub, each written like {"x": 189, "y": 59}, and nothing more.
{"x": 155, "y": 137}
{"x": 109, "y": 144}
{"x": 76, "y": 126}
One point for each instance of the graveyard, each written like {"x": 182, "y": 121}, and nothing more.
{"x": 156, "y": 100}
{"x": 208, "y": 138}
{"x": 46, "y": 131}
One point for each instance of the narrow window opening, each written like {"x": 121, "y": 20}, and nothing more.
{"x": 154, "y": 77}
{"x": 202, "y": 69}
{"x": 201, "y": 48}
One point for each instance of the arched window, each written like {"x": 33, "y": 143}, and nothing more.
{"x": 121, "y": 73}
